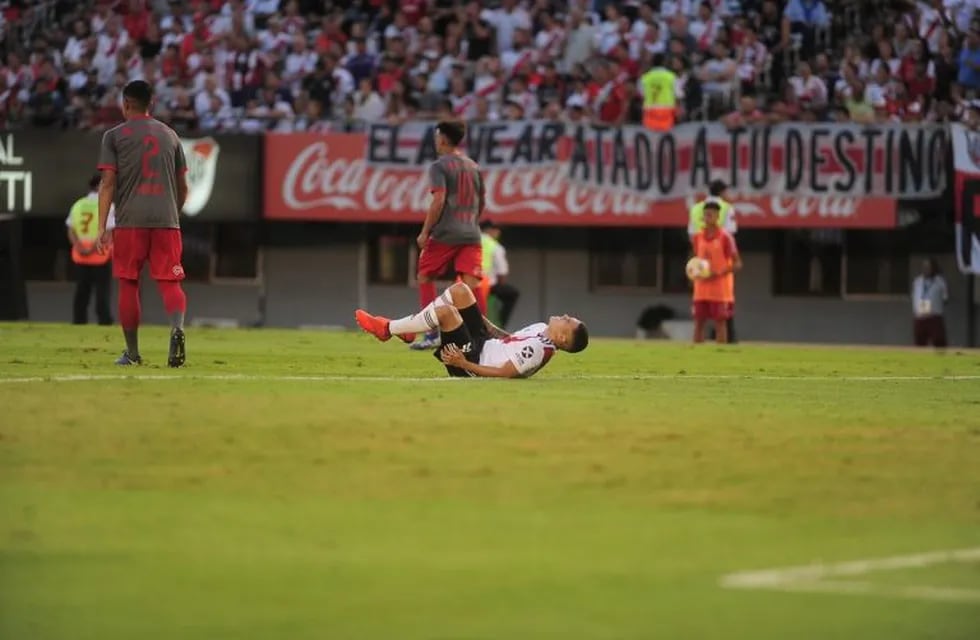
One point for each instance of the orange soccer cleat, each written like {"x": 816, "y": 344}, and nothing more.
{"x": 377, "y": 326}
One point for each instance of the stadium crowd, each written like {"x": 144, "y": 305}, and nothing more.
{"x": 256, "y": 65}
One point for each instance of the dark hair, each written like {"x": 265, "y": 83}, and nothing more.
{"x": 139, "y": 93}
{"x": 487, "y": 224}
{"x": 717, "y": 187}
{"x": 712, "y": 205}
{"x": 454, "y": 130}
{"x": 658, "y": 59}
{"x": 580, "y": 338}
{"x": 95, "y": 181}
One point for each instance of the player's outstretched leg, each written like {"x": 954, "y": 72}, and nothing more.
{"x": 426, "y": 320}
{"x": 129, "y": 319}
{"x": 175, "y": 304}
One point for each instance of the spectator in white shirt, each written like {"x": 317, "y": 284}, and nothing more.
{"x": 579, "y": 45}
{"x": 718, "y": 72}
{"x": 811, "y": 91}
{"x": 368, "y": 105}
{"x": 507, "y": 19}
{"x": 706, "y": 29}
{"x": 887, "y": 57}
{"x": 299, "y": 63}
{"x": 213, "y": 100}
{"x": 77, "y": 45}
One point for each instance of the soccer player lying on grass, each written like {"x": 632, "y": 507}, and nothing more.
{"x": 472, "y": 346}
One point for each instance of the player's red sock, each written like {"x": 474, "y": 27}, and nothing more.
{"x": 427, "y": 294}
{"x": 174, "y": 299}
{"x": 129, "y": 303}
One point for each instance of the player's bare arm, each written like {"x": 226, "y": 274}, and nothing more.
{"x": 494, "y": 330}
{"x": 181, "y": 190}
{"x": 482, "y": 198}
{"x": 432, "y": 216}
{"x": 453, "y": 357}
{"x": 107, "y": 191}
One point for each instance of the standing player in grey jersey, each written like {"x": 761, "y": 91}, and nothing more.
{"x": 144, "y": 175}
{"x": 451, "y": 232}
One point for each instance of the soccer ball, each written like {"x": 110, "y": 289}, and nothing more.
{"x": 697, "y": 268}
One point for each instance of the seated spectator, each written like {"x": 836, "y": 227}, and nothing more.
{"x": 368, "y": 105}
{"x": 886, "y": 57}
{"x": 751, "y": 58}
{"x": 858, "y": 104}
{"x": 360, "y": 64}
{"x": 180, "y": 111}
{"x": 805, "y": 18}
{"x": 519, "y": 92}
{"x": 969, "y": 74}
{"x": 718, "y": 75}
{"x": 747, "y": 114}
{"x": 902, "y": 42}
{"x": 267, "y": 112}
{"x": 705, "y": 30}
{"x": 810, "y": 91}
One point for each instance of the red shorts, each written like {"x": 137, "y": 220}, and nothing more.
{"x": 709, "y": 310}
{"x": 466, "y": 259}
{"x": 133, "y": 247}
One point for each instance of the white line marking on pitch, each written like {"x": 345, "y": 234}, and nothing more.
{"x": 818, "y": 578}
{"x": 72, "y": 377}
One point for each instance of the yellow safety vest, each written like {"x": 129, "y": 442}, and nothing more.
{"x": 84, "y": 218}
{"x": 697, "y": 215}
{"x": 658, "y": 88}
{"x": 489, "y": 246}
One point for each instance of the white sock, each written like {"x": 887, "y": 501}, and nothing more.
{"x": 424, "y": 320}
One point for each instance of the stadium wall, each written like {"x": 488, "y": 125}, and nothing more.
{"x": 298, "y": 294}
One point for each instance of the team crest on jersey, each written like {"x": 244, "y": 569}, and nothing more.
{"x": 466, "y": 348}
{"x": 527, "y": 352}
{"x": 202, "y": 166}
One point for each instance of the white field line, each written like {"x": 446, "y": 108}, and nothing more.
{"x": 819, "y": 578}
{"x": 77, "y": 377}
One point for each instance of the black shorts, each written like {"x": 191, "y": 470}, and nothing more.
{"x": 469, "y": 337}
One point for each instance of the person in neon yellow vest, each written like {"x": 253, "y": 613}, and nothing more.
{"x": 496, "y": 269}
{"x": 726, "y": 219}
{"x": 718, "y": 191}
{"x": 93, "y": 269}
{"x": 659, "y": 89}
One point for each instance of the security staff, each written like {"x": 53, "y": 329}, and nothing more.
{"x": 92, "y": 267}
{"x": 658, "y": 87}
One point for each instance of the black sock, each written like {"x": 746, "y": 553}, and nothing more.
{"x": 132, "y": 342}
{"x": 472, "y": 317}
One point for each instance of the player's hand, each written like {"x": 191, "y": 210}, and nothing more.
{"x": 452, "y": 356}
{"x": 422, "y": 240}
{"x": 104, "y": 241}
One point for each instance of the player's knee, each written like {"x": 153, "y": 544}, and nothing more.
{"x": 448, "y": 317}
{"x": 462, "y": 294}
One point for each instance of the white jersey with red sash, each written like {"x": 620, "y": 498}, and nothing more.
{"x": 528, "y": 349}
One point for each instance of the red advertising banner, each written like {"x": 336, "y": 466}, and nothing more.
{"x": 548, "y": 174}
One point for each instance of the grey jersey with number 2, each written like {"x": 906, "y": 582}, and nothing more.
{"x": 148, "y": 160}
{"x": 459, "y": 176}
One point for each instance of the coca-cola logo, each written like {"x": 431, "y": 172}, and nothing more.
{"x": 318, "y": 177}
{"x": 312, "y": 180}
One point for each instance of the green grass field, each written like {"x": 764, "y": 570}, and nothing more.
{"x": 303, "y": 485}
